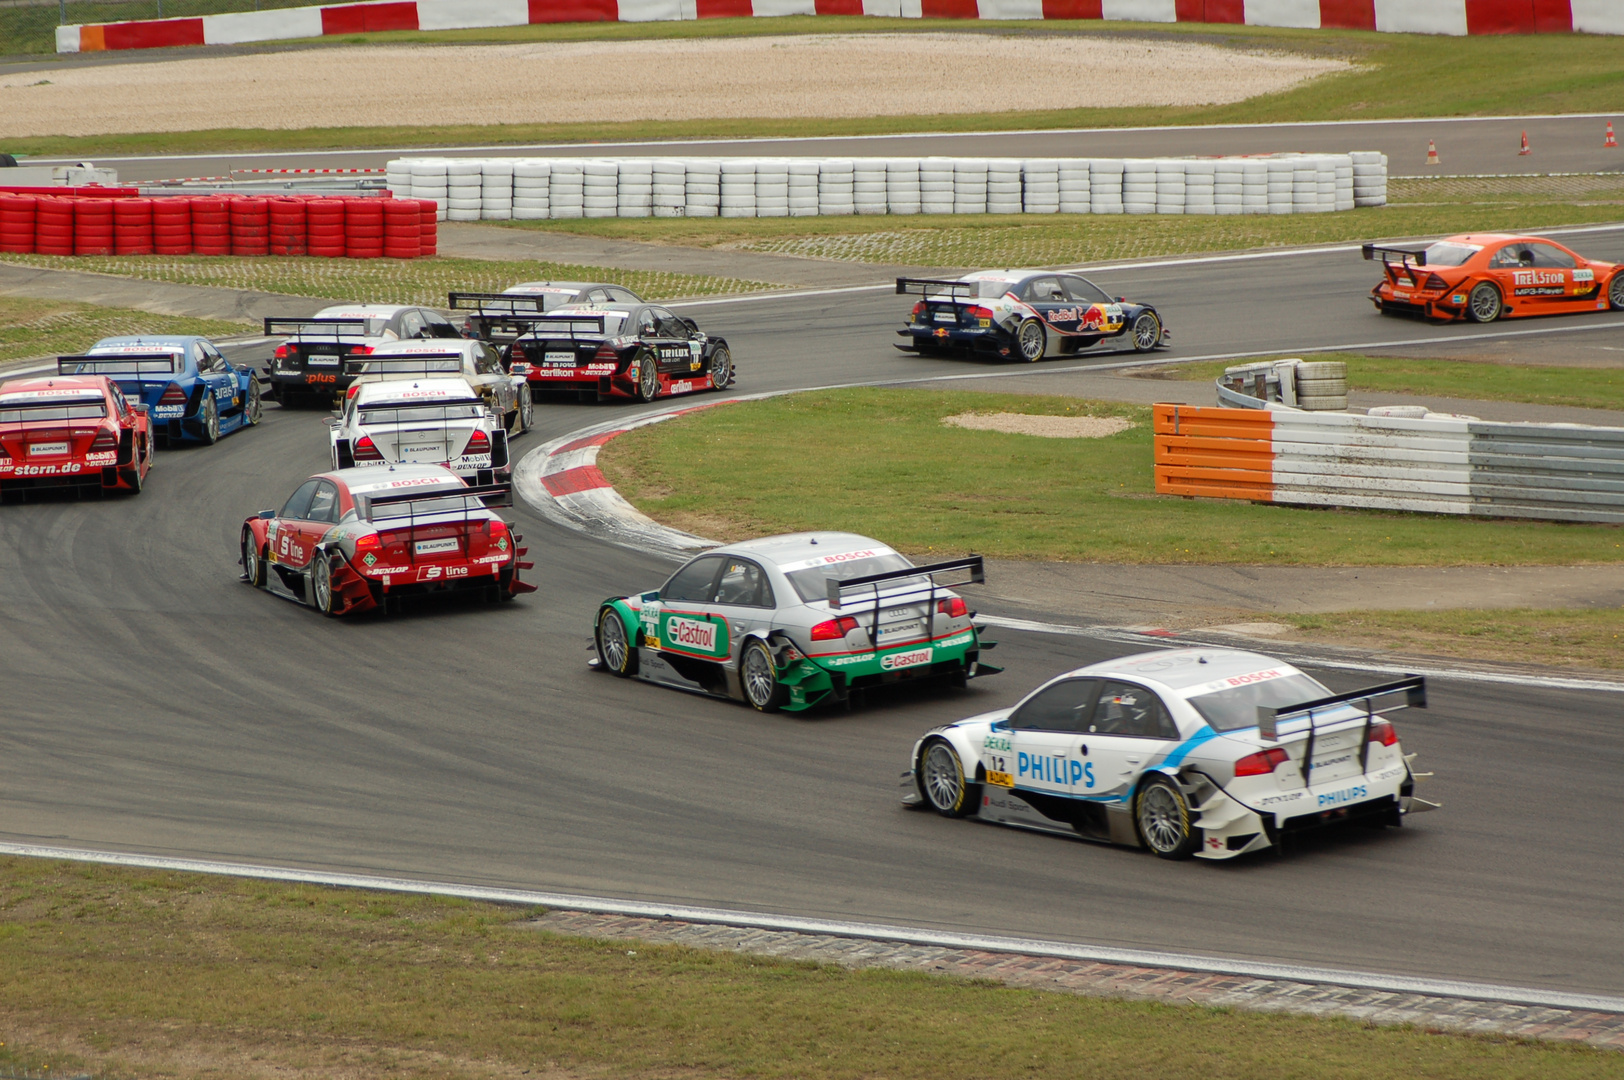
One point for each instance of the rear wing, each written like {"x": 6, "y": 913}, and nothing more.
{"x": 406, "y": 505}
{"x": 422, "y": 366}
{"x": 116, "y": 364}
{"x": 556, "y": 325}
{"x": 302, "y": 328}
{"x": 926, "y": 286}
{"x": 837, "y": 589}
{"x": 1408, "y": 693}
{"x": 490, "y": 303}
{"x": 1386, "y": 253}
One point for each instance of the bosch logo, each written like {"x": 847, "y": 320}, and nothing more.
{"x": 1256, "y": 676}
{"x": 692, "y": 633}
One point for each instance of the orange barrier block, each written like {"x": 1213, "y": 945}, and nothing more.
{"x": 1213, "y": 453}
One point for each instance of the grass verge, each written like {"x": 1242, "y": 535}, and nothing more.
{"x": 1484, "y": 75}
{"x": 30, "y": 328}
{"x": 131, "y": 971}
{"x": 380, "y": 281}
{"x": 1535, "y": 384}
{"x": 1564, "y": 638}
{"x": 881, "y": 462}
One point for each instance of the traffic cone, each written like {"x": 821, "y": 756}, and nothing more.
{"x": 1432, "y": 153}
{"x": 1524, "y": 152}
{"x": 1611, "y": 143}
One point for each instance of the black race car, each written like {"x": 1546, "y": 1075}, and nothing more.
{"x": 1023, "y": 315}
{"x": 489, "y": 321}
{"x": 308, "y": 368}
{"x": 601, "y": 351}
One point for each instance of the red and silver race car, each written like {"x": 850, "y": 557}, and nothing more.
{"x": 1487, "y": 276}
{"x": 356, "y": 539}
{"x": 72, "y": 431}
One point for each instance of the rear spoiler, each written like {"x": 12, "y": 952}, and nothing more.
{"x": 487, "y": 494}
{"x": 424, "y": 364}
{"x": 837, "y": 589}
{"x": 116, "y": 364}
{"x": 1408, "y": 693}
{"x": 1417, "y": 256}
{"x": 565, "y": 324}
{"x": 926, "y": 286}
{"x": 335, "y": 328}
{"x": 490, "y": 303}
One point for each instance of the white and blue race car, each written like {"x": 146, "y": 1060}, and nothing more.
{"x": 1206, "y": 752}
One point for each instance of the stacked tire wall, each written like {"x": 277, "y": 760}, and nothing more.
{"x": 88, "y": 223}
{"x": 503, "y": 189}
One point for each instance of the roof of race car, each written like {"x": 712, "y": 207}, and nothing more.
{"x": 420, "y": 390}
{"x": 365, "y": 481}
{"x": 1194, "y": 671}
{"x": 426, "y": 347}
{"x": 796, "y": 551}
{"x": 66, "y": 387}
{"x": 1001, "y": 275}
{"x": 157, "y": 344}
{"x": 524, "y": 287}
{"x": 362, "y": 311}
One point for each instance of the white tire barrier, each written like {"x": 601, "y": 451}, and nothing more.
{"x": 531, "y": 189}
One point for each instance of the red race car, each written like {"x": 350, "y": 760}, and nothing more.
{"x": 357, "y": 539}
{"x": 1483, "y": 276}
{"x": 72, "y": 431}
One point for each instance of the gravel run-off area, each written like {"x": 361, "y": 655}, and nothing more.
{"x": 818, "y": 75}
{"x": 1048, "y": 427}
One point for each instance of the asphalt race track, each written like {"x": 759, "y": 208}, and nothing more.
{"x": 152, "y": 702}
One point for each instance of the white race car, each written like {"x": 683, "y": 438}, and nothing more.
{"x": 430, "y": 421}
{"x": 1205, "y": 752}
{"x": 477, "y": 362}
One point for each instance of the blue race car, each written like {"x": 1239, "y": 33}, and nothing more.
{"x": 191, "y": 392}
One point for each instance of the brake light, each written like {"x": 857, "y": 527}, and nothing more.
{"x": 496, "y": 527}
{"x": 604, "y": 353}
{"x": 369, "y": 542}
{"x": 360, "y": 350}
{"x": 1261, "y": 763}
{"x": 478, "y": 443}
{"x": 980, "y": 313}
{"x": 352, "y": 391}
{"x": 281, "y": 352}
{"x": 365, "y": 451}
{"x": 1436, "y": 282}
{"x": 834, "y": 629}
{"x": 919, "y": 309}
{"x": 174, "y": 395}
{"x": 1382, "y": 732}
{"x": 955, "y": 608}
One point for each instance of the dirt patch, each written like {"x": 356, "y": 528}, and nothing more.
{"x": 1048, "y": 427}
{"x": 817, "y": 75}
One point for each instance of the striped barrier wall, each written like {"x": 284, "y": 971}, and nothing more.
{"x": 1434, "y": 464}
{"x": 1458, "y": 17}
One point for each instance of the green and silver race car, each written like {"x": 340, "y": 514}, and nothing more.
{"x": 789, "y": 622}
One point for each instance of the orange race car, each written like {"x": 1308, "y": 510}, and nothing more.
{"x": 1483, "y": 276}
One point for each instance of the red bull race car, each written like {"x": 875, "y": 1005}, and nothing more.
{"x": 1487, "y": 276}
{"x": 1022, "y": 315}
{"x": 72, "y": 431}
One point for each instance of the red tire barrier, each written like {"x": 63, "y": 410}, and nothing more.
{"x": 402, "y": 229}
{"x": 132, "y": 227}
{"x": 324, "y": 228}
{"x": 363, "y": 228}
{"x": 53, "y": 226}
{"x": 211, "y": 225}
{"x": 92, "y": 226}
{"x": 17, "y": 222}
{"x": 430, "y": 243}
{"x": 287, "y": 226}
{"x": 250, "y": 225}
{"x": 172, "y": 225}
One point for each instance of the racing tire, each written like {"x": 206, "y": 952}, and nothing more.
{"x": 253, "y": 563}
{"x": 1615, "y": 292}
{"x": 132, "y": 478}
{"x": 721, "y": 370}
{"x": 758, "y": 678}
{"x": 209, "y": 419}
{"x": 942, "y": 783}
{"x": 1485, "y": 304}
{"x": 615, "y": 652}
{"x": 321, "y": 584}
{"x": 1147, "y": 332}
{"x": 253, "y": 410}
{"x": 1162, "y": 816}
{"x": 648, "y": 378}
{"x": 1032, "y": 339}
{"x": 526, "y": 410}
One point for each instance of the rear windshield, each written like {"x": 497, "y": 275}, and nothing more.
{"x": 586, "y": 328}
{"x": 310, "y": 335}
{"x": 35, "y": 412}
{"x": 390, "y": 414}
{"x": 810, "y": 582}
{"x": 984, "y": 290}
{"x": 1236, "y": 708}
{"x": 1447, "y": 254}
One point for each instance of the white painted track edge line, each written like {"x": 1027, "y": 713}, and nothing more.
{"x": 1447, "y": 988}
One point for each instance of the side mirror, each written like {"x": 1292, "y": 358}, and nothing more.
{"x": 266, "y": 514}
{"x": 140, "y": 408}
{"x": 1122, "y": 299}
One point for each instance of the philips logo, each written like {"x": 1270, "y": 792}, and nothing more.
{"x": 1346, "y": 795}
{"x": 692, "y": 634}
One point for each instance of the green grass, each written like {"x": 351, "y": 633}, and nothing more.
{"x": 136, "y": 972}
{"x": 881, "y": 462}
{"x": 1397, "y": 75}
{"x": 380, "y": 281}
{"x": 1535, "y": 384}
{"x": 34, "y": 328}
{"x": 1562, "y": 637}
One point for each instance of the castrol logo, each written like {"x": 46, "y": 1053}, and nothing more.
{"x": 905, "y": 659}
{"x": 692, "y": 634}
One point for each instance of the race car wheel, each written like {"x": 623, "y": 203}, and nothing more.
{"x": 132, "y": 478}
{"x": 721, "y": 370}
{"x": 209, "y": 419}
{"x": 941, "y": 781}
{"x": 253, "y": 409}
{"x": 758, "y": 676}
{"x": 1032, "y": 339}
{"x": 648, "y": 378}
{"x": 615, "y": 652}
{"x": 526, "y": 410}
{"x": 321, "y": 583}
{"x": 253, "y": 567}
{"x": 1147, "y": 332}
{"x": 1485, "y": 304}
{"x": 1615, "y": 291}
{"x": 1163, "y": 818}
